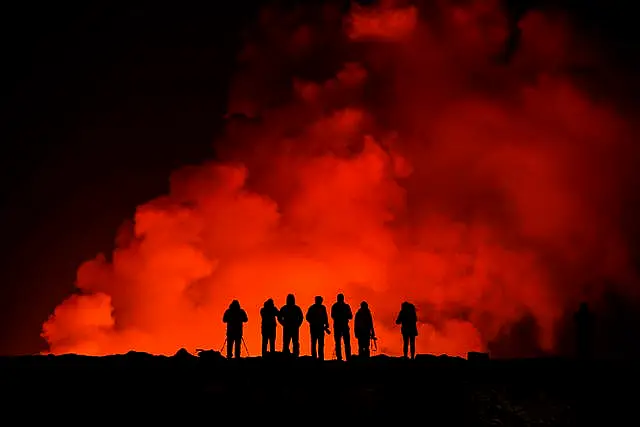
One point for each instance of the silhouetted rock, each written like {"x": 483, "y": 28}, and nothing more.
{"x": 426, "y": 357}
{"x": 209, "y": 355}
{"x": 279, "y": 356}
{"x": 183, "y": 354}
{"x": 474, "y": 356}
{"x": 135, "y": 355}
{"x": 431, "y": 389}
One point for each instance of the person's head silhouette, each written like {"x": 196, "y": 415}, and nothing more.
{"x": 340, "y": 298}
{"x": 291, "y": 299}
{"x": 318, "y": 300}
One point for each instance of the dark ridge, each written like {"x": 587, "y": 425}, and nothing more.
{"x": 431, "y": 390}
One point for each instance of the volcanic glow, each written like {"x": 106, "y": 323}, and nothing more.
{"x": 389, "y": 155}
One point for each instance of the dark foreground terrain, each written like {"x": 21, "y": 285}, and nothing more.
{"x": 430, "y": 390}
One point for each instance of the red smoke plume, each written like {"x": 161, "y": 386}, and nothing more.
{"x": 391, "y": 154}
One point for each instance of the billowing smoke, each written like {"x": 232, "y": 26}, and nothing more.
{"x": 439, "y": 152}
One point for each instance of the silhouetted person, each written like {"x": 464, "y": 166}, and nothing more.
{"x": 363, "y": 329}
{"x": 585, "y": 326}
{"x": 291, "y": 319}
{"x": 235, "y": 317}
{"x": 318, "y": 324}
{"x": 341, "y": 315}
{"x": 269, "y": 314}
{"x": 408, "y": 319}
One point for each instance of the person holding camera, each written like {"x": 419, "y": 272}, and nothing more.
{"x": 269, "y": 314}
{"x": 318, "y": 320}
{"x": 363, "y": 329}
{"x": 235, "y": 317}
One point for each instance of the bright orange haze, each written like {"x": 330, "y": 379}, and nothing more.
{"x": 389, "y": 156}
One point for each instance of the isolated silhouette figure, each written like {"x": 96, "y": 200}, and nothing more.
{"x": 585, "y": 327}
{"x": 408, "y": 319}
{"x": 235, "y": 318}
{"x": 341, "y": 315}
{"x": 269, "y": 314}
{"x": 291, "y": 319}
{"x": 363, "y": 329}
{"x": 318, "y": 320}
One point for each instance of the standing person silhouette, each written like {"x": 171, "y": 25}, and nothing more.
{"x": 235, "y": 318}
{"x": 291, "y": 319}
{"x": 268, "y": 313}
{"x": 363, "y": 329}
{"x": 408, "y": 319}
{"x": 318, "y": 320}
{"x": 585, "y": 327}
{"x": 341, "y": 315}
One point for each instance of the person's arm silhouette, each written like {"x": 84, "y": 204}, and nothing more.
{"x": 325, "y": 320}
{"x": 280, "y": 316}
{"x": 300, "y": 317}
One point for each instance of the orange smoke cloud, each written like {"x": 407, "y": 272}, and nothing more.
{"x": 389, "y": 156}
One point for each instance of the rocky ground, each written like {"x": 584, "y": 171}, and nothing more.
{"x": 428, "y": 391}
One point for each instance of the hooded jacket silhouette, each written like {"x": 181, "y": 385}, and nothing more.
{"x": 235, "y": 318}
{"x": 363, "y": 329}
{"x": 269, "y": 315}
{"x": 408, "y": 321}
{"x": 585, "y": 331}
{"x": 291, "y": 318}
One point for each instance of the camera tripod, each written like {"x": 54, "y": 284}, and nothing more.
{"x": 243, "y": 343}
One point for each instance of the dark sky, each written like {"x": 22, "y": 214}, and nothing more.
{"x": 100, "y": 102}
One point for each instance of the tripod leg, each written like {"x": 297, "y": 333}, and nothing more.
{"x": 222, "y": 348}
{"x": 245, "y": 347}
